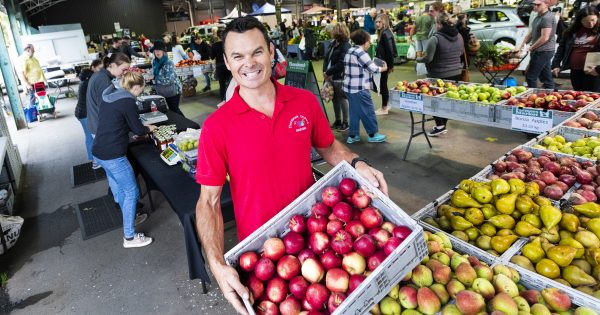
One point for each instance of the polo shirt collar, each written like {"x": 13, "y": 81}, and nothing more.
{"x": 283, "y": 94}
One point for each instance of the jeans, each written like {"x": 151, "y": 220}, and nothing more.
{"x": 224, "y": 76}
{"x": 124, "y": 188}
{"x": 340, "y": 103}
{"x": 110, "y": 180}
{"x": 173, "y": 103}
{"x": 421, "y": 44}
{"x": 362, "y": 109}
{"x": 383, "y": 89}
{"x": 539, "y": 67}
{"x": 584, "y": 82}
{"x": 31, "y": 94}
{"x": 207, "y": 79}
{"x": 89, "y": 141}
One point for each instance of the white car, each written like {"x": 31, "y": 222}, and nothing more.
{"x": 492, "y": 25}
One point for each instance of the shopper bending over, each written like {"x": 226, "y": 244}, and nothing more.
{"x": 358, "y": 69}
{"x": 580, "y": 38}
{"x": 442, "y": 59}
{"x": 118, "y": 116}
{"x": 333, "y": 70}
{"x": 281, "y": 123}
{"x": 386, "y": 51}
{"x": 541, "y": 38}
{"x": 81, "y": 107}
{"x": 166, "y": 81}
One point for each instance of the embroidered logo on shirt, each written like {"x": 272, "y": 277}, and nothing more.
{"x": 298, "y": 122}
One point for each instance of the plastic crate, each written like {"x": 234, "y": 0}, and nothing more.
{"x": 401, "y": 261}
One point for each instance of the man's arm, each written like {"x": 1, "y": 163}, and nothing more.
{"x": 338, "y": 152}
{"x": 209, "y": 223}
{"x": 525, "y": 40}
{"x": 544, "y": 37}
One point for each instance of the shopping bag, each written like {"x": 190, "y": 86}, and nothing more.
{"x": 412, "y": 52}
{"x": 10, "y": 228}
{"x": 31, "y": 114}
{"x": 327, "y": 91}
{"x": 302, "y": 45}
{"x": 421, "y": 69}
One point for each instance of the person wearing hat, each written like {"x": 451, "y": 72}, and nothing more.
{"x": 127, "y": 49}
{"x": 542, "y": 40}
{"x": 166, "y": 82}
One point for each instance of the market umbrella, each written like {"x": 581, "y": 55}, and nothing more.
{"x": 316, "y": 10}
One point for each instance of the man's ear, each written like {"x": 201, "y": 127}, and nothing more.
{"x": 226, "y": 61}
{"x": 272, "y": 50}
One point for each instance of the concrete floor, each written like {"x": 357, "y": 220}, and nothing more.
{"x": 52, "y": 270}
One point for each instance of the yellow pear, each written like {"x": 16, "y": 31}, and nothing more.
{"x": 465, "y": 185}
{"x": 502, "y": 243}
{"x": 487, "y": 229}
{"x": 459, "y": 223}
{"x": 482, "y": 194}
{"x": 587, "y": 239}
{"x": 542, "y": 201}
{"x": 500, "y": 187}
{"x": 462, "y": 199}
{"x": 551, "y": 235}
{"x": 502, "y": 221}
{"x": 577, "y": 277}
{"x": 548, "y": 268}
{"x": 588, "y": 209}
{"x": 594, "y": 226}
{"x": 489, "y": 211}
{"x": 570, "y": 222}
{"x": 506, "y": 203}
{"x": 524, "y": 204}
{"x": 562, "y": 255}
{"x": 534, "y": 251}
{"x": 533, "y": 220}
{"x": 516, "y": 186}
{"x": 523, "y": 262}
{"x": 580, "y": 250}
{"x": 474, "y": 215}
{"x": 532, "y": 189}
{"x": 550, "y": 216}
{"x": 525, "y": 229}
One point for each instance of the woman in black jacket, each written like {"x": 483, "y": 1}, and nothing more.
{"x": 386, "y": 51}
{"x": 81, "y": 107}
{"x": 223, "y": 74}
{"x": 310, "y": 41}
{"x": 465, "y": 32}
{"x": 579, "y": 39}
{"x": 333, "y": 70}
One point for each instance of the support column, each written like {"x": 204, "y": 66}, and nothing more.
{"x": 338, "y": 7}
{"x": 14, "y": 26}
{"x": 12, "y": 89}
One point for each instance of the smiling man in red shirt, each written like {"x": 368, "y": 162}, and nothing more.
{"x": 262, "y": 138}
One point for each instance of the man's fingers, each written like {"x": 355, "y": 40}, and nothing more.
{"x": 234, "y": 299}
{"x": 382, "y": 183}
{"x": 239, "y": 288}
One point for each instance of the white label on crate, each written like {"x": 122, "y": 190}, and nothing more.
{"x": 197, "y": 72}
{"x": 411, "y": 102}
{"x": 531, "y": 120}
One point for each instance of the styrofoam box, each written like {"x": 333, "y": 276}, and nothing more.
{"x": 535, "y": 281}
{"x": 401, "y": 261}
{"x": 430, "y": 210}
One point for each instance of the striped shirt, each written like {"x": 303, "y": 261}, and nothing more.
{"x": 358, "y": 68}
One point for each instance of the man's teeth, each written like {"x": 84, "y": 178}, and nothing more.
{"x": 252, "y": 74}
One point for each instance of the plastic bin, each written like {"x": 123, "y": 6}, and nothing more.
{"x": 404, "y": 258}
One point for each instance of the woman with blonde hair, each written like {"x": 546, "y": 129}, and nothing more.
{"x": 386, "y": 51}
{"x": 117, "y": 117}
{"x": 333, "y": 70}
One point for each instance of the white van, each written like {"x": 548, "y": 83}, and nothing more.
{"x": 203, "y": 30}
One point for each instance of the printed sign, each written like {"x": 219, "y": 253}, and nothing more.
{"x": 531, "y": 120}
{"x": 411, "y": 102}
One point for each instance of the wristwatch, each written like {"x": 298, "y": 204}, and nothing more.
{"x": 359, "y": 159}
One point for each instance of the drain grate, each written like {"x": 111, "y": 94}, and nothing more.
{"x": 84, "y": 174}
{"x": 98, "y": 216}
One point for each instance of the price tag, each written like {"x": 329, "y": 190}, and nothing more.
{"x": 197, "y": 72}
{"x": 411, "y": 102}
{"x": 531, "y": 120}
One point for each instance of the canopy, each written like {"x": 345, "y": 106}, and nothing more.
{"x": 268, "y": 9}
{"x": 316, "y": 10}
{"x": 233, "y": 14}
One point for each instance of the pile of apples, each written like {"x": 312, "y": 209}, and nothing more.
{"x": 424, "y": 87}
{"x": 323, "y": 258}
{"x": 482, "y": 93}
{"x": 566, "y": 101}
{"x": 554, "y": 176}
{"x": 589, "y": 120}
{"x": 445, "y": 275}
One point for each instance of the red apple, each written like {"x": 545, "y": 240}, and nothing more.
{"x": 334, "y": 226}
{"x": 401, "y": 232}
{"x": 371, "y": 218}
{"x": 294, "y": 243}
{"x": 298, "y": 287}
{"x": 347, "y": 186}
{"x": 318, "y": 242}
{"x": 288, "y": 267}
{"x": 380, "y": 235}
{"x": 312, "y": 270}
{"x": 306, "y": 253}
{"x": 256, "y": 287}
{"x": 335, "y": 300}
{"x": 355, "y": 281}
{"x": 291, "y": 306}
{"x": 306, "y": 307}
{"x": 391, "y": 245}
{"x": 267, "y": 307}
{"x": 276, "y": 290}
{"x": 248, "y": 261}
{"x": 264, "y": 269}
{"x": 356, "y": 214}
{"x": 355, "y": 228}
{"x": 273, "y": 248}
{"x": 331, "y": 196}
{"x": 330, "y": 259}
{"x": 343, "y": 211}
{"x": 297, "y": 224}
{"x": 360, "y": 199}
{"x": 354, "y": 263}
{"x": 365, "y": 245}
{"x": 317, "y": 296}
{"x": 337, "y": 280}
{"x": 341, "y": 243}
{"x": 376, "y": 260}
{"x": 388, "y": 226}
{"x": 316, "y": 223}
{"x": 321, "y": 209}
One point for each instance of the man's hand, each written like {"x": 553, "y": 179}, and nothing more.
{"x": 383, "y": 68}
{"x": 229, "y": 282}
{"x": 374, "y": 176}
{"x": 152, "y": 127}
{"x": 556, "y": 71}
{"x": 591, "y": 71}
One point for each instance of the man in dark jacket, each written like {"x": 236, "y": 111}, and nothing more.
{"x": 310, "y": 41}
{"x": 203, "y": 48}
{"x": 116, "y": 46}
{"x": 128, "y": 50}
{"x": 81, "y": 109}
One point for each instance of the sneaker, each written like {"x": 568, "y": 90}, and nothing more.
{"x": 376, "y": 138}
{"x": 352, "y": 139}
{"x": 95, "y": 165}
{"x": 206, "y": 88}
{"x": 140, "y": 217}
{"x": 344, "y": 126}
{"x": 382, "y": 111}
{"x": 437, "y": 131}
{"x": 336, "y": 125}
{"x": 139, "y": 240}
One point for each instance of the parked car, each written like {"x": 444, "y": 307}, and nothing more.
{"x": 203, "y": 30}
{"x": 492, "y": 25}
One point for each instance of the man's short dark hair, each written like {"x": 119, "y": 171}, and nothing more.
{"x": 243, "y": 24}
{"x": 359, "y": 37}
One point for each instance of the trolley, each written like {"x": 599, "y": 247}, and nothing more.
{"x": 44, "y": 103}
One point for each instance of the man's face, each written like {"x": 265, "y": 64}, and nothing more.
{"x": 540, "y": 7}
{"x": 248, "y": 57}
{"x": 433, "y": 12}
{"x": 30, "y": 52}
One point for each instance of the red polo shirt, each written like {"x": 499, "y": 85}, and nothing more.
{"x": 267, "y": 159}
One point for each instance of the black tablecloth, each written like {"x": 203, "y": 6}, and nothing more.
{"x": 181, "y": 122}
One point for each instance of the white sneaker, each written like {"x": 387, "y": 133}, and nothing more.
{"x": 139, "y": 240}
{"x": 140, "y": 217}
{"x": 382, "y": 111}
